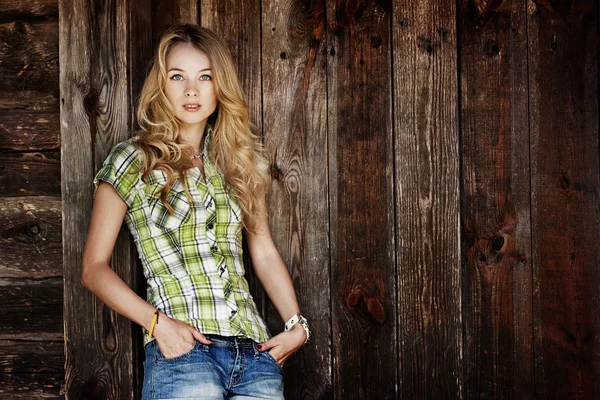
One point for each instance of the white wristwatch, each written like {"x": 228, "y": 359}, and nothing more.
{"x": 298, "y": 318}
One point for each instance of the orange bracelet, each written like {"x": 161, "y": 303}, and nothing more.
{"x": 154, "y": 322}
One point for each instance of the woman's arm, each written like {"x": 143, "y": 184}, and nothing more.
{"x": 174, "y": 337}
{"x": 275, "y": 278}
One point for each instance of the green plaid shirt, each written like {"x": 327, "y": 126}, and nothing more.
{"x": 192, "y": 259}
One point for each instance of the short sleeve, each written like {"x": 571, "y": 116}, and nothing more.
{"x": 120, "y": 169}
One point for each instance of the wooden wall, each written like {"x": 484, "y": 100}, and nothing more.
{"x": 436, "y": 190}
{"x": 31, "y": 284}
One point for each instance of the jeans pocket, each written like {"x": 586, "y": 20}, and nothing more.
{"x": 270, "y": 356}
{"x": 161, "y": 357}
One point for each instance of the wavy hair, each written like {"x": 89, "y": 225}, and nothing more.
{"x": 235, "y": 148}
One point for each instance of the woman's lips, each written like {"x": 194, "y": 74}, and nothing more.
{"x": 191, "y": 107}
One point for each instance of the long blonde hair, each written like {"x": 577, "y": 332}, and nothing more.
{"x": 235, "y": 148}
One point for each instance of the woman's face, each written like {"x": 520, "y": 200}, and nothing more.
{"x": 189, "y": 86}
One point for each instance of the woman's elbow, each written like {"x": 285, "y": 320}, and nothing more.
{"x": 87, "y": 272}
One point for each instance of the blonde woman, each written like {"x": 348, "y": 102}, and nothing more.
{"x": 187, "y": 184}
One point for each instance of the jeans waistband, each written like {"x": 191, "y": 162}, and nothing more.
{"x": 231, "y": 341}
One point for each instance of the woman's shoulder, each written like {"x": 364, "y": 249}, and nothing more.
{"x": 125, "y": 154}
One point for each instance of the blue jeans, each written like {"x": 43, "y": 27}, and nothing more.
{"x": 230, "y": 368}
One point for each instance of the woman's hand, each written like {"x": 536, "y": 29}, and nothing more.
{"x": 175, "y": 338}
{"x": 284, "y": 344}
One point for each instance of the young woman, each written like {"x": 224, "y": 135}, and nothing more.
{"x": 186, "y": 186}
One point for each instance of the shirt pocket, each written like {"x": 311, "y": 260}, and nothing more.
{"x": 176, "y": 197}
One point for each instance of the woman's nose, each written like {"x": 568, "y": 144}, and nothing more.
{"x": 191, "y": 91}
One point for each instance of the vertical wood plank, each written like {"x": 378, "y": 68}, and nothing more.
{"x": 497, "y": 306}
{"x": 139, "y": 57}
{"x": 361, "y": 182}
{"x": 563, "y": 80}
{"x": 95, "y": 114}
{"x": 427, "y": 199}
{"x": 294, "y": 55}
{"x": 169, "y": 12}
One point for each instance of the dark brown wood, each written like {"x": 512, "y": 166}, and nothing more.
{"x": 170, "y": 12}
{"x": 30, "y": 174}
{"x": 427, "y": 181}
{"x": 31, "y": 386}
{"x": 361, "y": 200}
{"x": 95, "y": 114}
{"x": 497, "y": 307}
{"x": 294, "y": 54}
{"x": 30, "y": 9}
{"x": 32, "y": 356}
{"x": 139, "y": 57}
{"x": 563, "y": 81}
{"x": 29, "y": 130}
{"x": 30, "y": 237}
{"x": 31, "y": 369}
{"x": 31, "y": 309}
{"x": 29, "y": 72}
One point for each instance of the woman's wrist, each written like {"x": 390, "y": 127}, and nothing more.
{"x": 300, "y": 331}
{"x": 298, "y": 319}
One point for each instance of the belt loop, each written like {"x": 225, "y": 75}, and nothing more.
{"x": 256, "y": 352}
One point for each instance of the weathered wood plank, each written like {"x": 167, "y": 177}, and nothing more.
{"x": 30, "y": 174}
{"x": 31, "y": 386}
{"x": 25, "y": 356}
{"x": 361, "y": 184}
{"x": 427, "y": 187}
{"x": 30, "y": 237}
{"x": 96, "y": 107}
{"x": 140, "y": 54}
{"x": 29, "y": 72}
{"x": 30, "y": 308}
{"x": 28, "y": 10}
{"x": 170, "y": 12}
{"x": 27, "y": 130}
{"x": 563, "y": 80}
{"x": 294, "y": 54}
{"x": 497, "y": 306}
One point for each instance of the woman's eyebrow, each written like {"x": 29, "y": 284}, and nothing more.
{"x": 179, "y": 69}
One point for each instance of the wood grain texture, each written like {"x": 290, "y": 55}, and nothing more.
{"x": 30, "y": 9}
{"x": 28, "y": 386}
{"x": 497, "y": 306}
{"x": 31, "y": 308}
{"x": 30, "y": 237}
{"x": 29, "y": 356}
{"x": 29, "y": 70}
{"x": 169, "y": 12}
{"x": 30, "y": 174}
{"x": 361, "y": 179}
{"x": 29, "y": 130}
{"x": 563, "y": 81}
{"x": 427, "y": 181}
{"x": 95, "y": 115}
{"x": 294, "y": 67}
{"x": 139, "y": 57}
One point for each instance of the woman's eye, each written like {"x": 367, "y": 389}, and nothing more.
{"x": 208, "y": 77}
{"x": 176, "y": 76}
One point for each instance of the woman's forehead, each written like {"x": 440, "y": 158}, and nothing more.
{"x": 186, "y": 57}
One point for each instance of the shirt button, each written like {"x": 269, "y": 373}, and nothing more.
{"x": 209, "y": 226}
{"x": 233, "y": 312}
{"x": 214, "y": 248}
